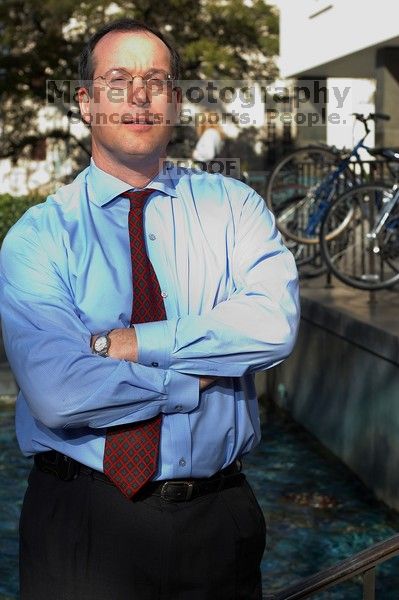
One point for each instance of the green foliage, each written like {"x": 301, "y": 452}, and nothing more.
{"x": 12, "y": 208}
{"x": 41, "y": 40}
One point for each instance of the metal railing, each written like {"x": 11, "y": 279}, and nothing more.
{"x": 361, "y": 564}
{"x": 375, "y": 170}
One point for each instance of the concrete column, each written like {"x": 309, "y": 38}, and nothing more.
{"x": 313, "y": 112}
{"x": 387, "y": 96}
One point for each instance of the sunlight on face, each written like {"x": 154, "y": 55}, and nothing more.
{"x": 135, "y": 123}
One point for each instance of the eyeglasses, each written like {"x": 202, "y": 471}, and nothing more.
{"x": 119, "y": 79}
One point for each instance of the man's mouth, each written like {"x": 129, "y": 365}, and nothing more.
{"x": 137, "y": 119}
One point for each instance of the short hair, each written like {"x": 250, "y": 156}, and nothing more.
{"x": 86, "y": 66}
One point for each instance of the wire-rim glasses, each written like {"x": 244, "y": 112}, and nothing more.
{"x": 120, "y": 79}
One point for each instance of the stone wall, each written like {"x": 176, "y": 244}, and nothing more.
{"x": 342, "y": 384}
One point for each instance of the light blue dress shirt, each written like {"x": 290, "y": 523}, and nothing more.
{"x": 231, "y": 297}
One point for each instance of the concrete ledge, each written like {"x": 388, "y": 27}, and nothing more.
{"x": 342, "y": 381}
{"x": 373, "y": 326}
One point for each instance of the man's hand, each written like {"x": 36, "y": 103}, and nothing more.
{"x": 206, "y": 381}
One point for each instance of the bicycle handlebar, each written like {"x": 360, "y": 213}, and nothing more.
{"x": 381, "y": 116}
{"x": 371, "y": 117}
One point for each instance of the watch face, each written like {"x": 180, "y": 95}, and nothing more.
{"x": 101, "y": 344}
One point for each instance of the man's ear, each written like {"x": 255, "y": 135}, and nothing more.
{"x": 84, "y": 104}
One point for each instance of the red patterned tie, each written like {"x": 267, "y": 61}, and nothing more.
{"x": 131, "y": 451}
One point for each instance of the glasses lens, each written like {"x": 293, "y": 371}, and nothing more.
{"x": 156, "y": 76}
{"x": 157, "y": 81}
{"x": 118, "y": 80}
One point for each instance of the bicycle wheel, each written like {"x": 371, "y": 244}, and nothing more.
{"x": 295, "y": 173}
{"x": 307, "y": 258}
{"x": 390, "y": 240}
{"x": 355, "y": 259}
{"x": 294, "y": 191}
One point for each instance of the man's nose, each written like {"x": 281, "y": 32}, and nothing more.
{"x": 137, "y": 92}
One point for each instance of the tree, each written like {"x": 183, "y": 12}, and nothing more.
{"x": 41, "y": 40}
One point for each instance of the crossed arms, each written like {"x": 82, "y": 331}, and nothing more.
{"x": 48, "y": 342}
{"x": 124, "y": 347}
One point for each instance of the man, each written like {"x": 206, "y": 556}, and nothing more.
{"x": 136, "y": 307}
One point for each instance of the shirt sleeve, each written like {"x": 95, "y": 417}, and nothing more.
{"x": 254, "y": 329}
{"x": 48, "y": 347}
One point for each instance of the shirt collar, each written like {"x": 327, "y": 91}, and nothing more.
{"x": 104, "y": 187}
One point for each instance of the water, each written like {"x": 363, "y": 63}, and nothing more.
{"x": 13, "y": 474}
{"x": 317, "y": 511}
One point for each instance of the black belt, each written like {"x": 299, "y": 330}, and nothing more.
{"x": 175, "y": 490}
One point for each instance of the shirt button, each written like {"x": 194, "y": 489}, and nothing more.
{"x": 182, "y": 462}
{"x": 164, "y": 294}
{"x": 178, "y": 407}
{"x": 154, "y": 364}
{"x": 152, "y": 236}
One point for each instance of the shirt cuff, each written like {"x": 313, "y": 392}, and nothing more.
{"x": 182, "y": 392}
{"x": 155, "y": 342}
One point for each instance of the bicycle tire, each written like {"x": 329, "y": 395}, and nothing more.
{"x": 307, "y": 258}
{"x": 272, "y": 202}
{"x": 349, "y": 254}
{"x": 289, "y": 185}
{"x": 290, "y": 219}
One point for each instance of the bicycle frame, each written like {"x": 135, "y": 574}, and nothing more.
{"x": 324, "y": 192}
{"x": 383, "y": 216}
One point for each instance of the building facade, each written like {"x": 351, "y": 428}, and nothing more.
{"x": 355, "y": 39}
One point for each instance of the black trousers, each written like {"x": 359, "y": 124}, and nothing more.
{"x": 83, "y": 540}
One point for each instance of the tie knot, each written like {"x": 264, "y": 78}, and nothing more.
{"x": 138, "y": 197}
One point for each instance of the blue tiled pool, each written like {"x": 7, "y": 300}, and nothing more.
{"x": 317, "y": 511}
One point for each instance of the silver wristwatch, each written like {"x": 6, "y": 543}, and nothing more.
{"x": 102, "y": 344}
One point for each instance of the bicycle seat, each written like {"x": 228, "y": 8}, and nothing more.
{"x": 388, "y": 153}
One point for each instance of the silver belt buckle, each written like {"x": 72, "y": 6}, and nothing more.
{"x": 188, "y": 487}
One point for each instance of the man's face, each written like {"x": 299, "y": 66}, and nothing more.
{"x": 132, "y": 125}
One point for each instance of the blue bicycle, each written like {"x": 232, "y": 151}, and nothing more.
{"x": 303, "y": 185}
{"x": 359, "y": 235}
